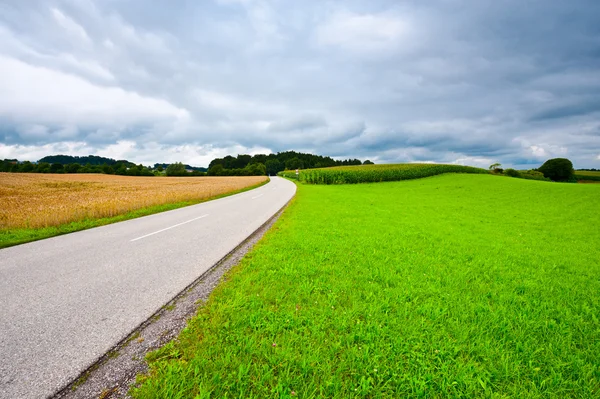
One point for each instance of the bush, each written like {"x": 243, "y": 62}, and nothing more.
{"x": 512, "y": 172}
{"x": 534, "y": 175}
{"x": 176, "y": 169}
{"x": 558, "y": 169}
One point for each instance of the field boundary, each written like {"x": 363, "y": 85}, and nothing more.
{"x": 113, "y": 374}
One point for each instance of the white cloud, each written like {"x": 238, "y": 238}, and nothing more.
{"x": 88, "y": 67}
{"x": 363, "y": 32}
{"x": 70, "y": 26}
{"x": 538, "y": 151}
{"x": 481, "y": 162}
{"x": 35, "y": 152}
{"x": 38, "y": 95}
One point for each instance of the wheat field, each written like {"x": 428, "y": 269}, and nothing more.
{"x": 31, "y": 200}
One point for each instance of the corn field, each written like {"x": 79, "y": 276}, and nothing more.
{"x": 42, "y": 200}
{"x": 376, "y": 173}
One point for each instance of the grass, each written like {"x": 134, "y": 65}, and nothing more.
{"x": 15, "y": 236}
{"x": 376, "y": 173}
{"x": 455, "y": 286}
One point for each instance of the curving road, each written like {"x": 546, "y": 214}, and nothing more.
{"x": 67, "y": 300}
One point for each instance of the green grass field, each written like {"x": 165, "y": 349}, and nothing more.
{"x": 376, "y": 173}
{"x": 454, "y": 286}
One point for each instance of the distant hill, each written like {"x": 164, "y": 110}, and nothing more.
{"x": 88, "y": 160}
{"x": 187, "y": 167}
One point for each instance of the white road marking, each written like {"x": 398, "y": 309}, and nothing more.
{"x": 260, "y": 195}
{"x": 169, "y": 228}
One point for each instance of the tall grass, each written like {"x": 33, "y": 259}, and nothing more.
{"x": 377, "y": 173}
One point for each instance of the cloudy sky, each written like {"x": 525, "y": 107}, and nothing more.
{"x": 456, "y": 81}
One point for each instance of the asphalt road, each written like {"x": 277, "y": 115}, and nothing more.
{"x": 67, "y": 300}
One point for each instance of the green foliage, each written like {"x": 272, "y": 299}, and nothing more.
{"x": 377, "y": 173}
{"x": 558, "y": 169}
{"x": 273, "y": 166}
{"x": 160, "y": 167}
{"x": 253, "y": 169}
{"x": 26, "y": 167}
{"x": 367, "y": 162}
{"x": 533, "y": 175}
{"x": 414, "y": 289}
{"x": 176, "y": 169}
{"x": 87, "y": 160}
{"x": 495, "y": 166}
{"x": 294, "y": 163}
{"x": 276, "y": 162}
{"x": 72, "y": 168}
{"x": 65, "y": 164}
{"x": 512, "y": 172}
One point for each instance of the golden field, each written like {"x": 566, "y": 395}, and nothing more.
{"x": 30, "y": 200}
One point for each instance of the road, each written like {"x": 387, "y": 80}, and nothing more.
{"x": 65, "y": 301}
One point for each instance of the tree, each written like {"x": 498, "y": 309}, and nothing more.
{"x": 512, "y": 172}
{"x": 215, "y": 170}
{"x": 26, "y": 167}
{"x": 495, "y": 166}
{"x": 558, "y": 169}
{"x": 57, "y": 168}
{"x": 160, "y": 168}
{"x": 42, "y": 167}
{"x": 294, "y": 163}
{"x": 107, "y": 169}
{"x": 273, "y": 166}
{"x": 255, "y": 169}
{"x": 176, "y": 169}
{"x": 72, "y": 168}
{"x": 367, "y": 162}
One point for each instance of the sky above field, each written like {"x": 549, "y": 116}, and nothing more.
{"x": 456, "y": 81}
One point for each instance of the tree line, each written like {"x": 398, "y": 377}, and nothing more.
{"x": 271, "y": 164}
{"x": 241, "y": 165}
{"x": 124, "y": 168}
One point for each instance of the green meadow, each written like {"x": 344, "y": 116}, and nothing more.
{"x": 453, "y": 286}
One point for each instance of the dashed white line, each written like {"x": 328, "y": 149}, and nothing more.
{"x": 259, "y": 195}
{"x": 169, "y": 228}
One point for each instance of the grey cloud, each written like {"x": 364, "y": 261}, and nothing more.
{"x": 466, "y": 81}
